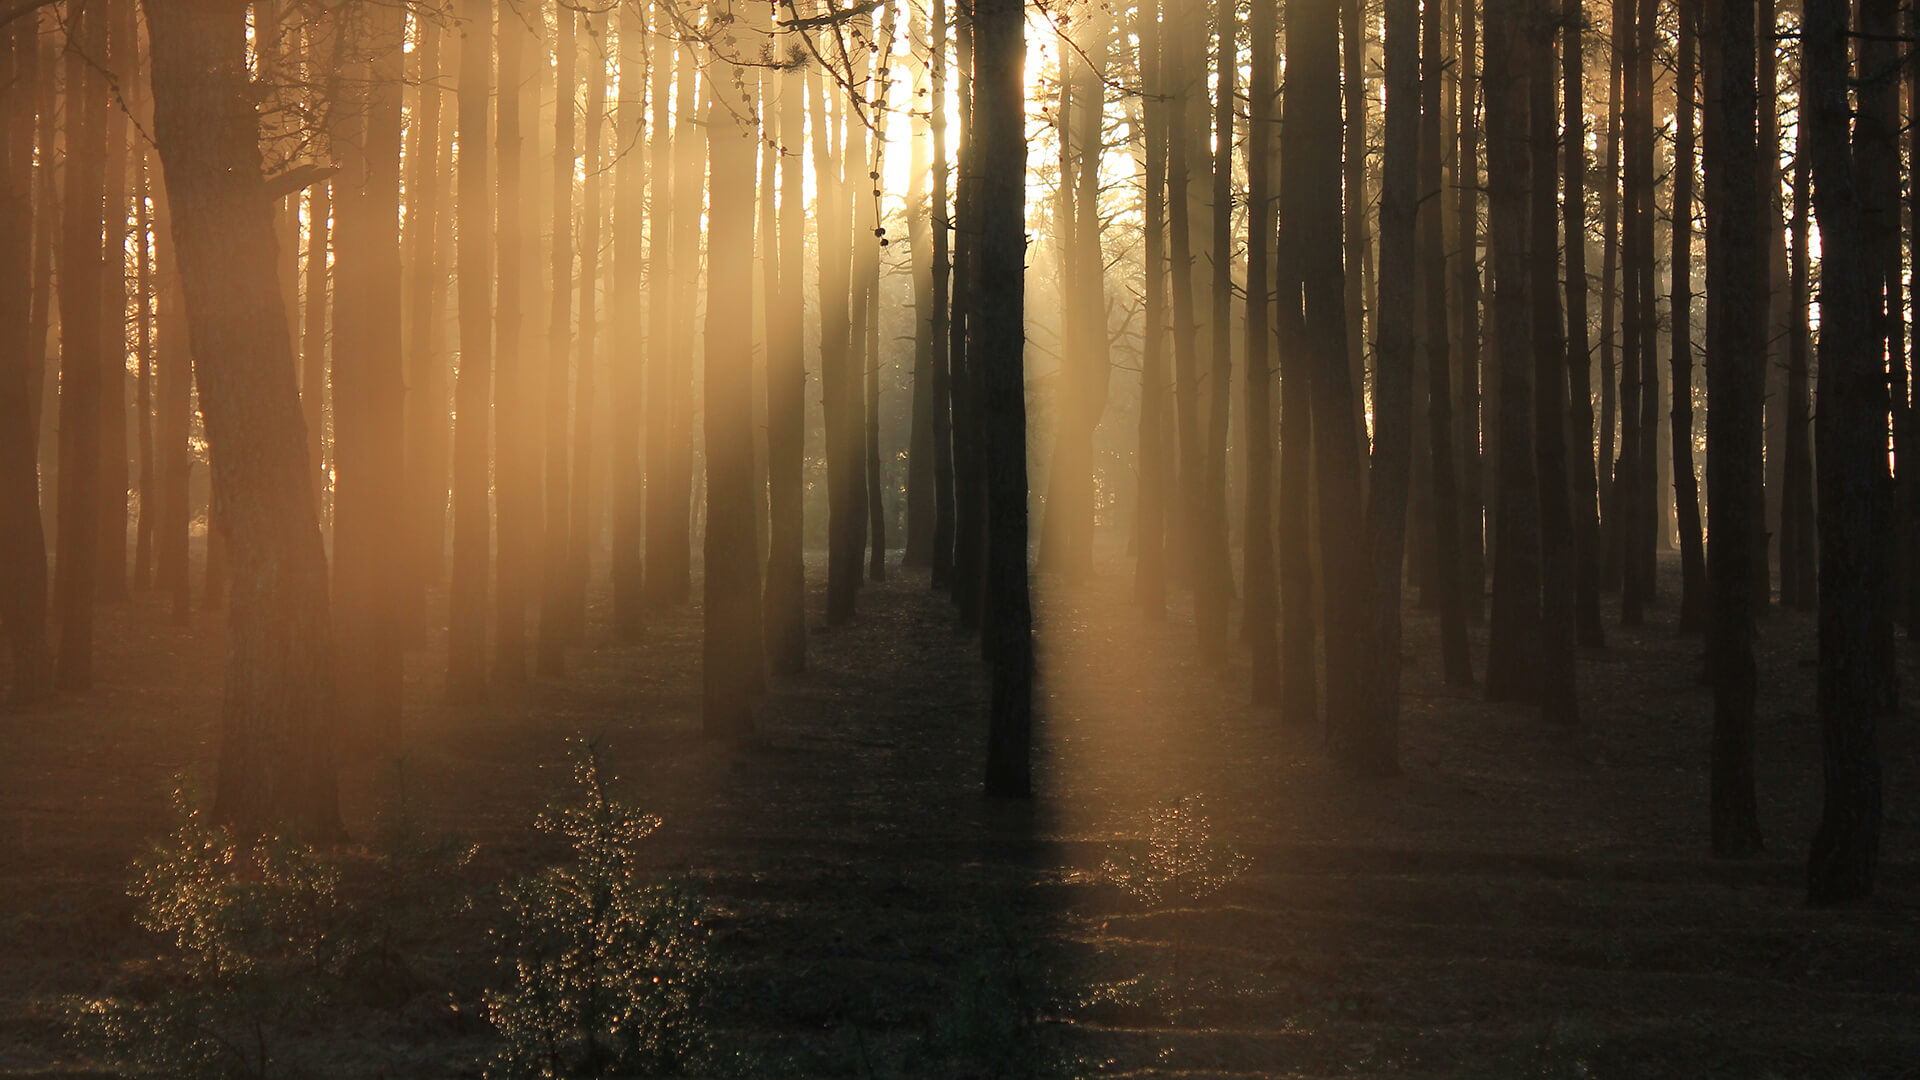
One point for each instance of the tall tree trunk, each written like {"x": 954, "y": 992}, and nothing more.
{"x": 941, "y": 558}
{"x": 556, "y": 626}
{"x": 1877, "y": 159}
{"x": 1473, "y": 569}
{"x": 999, "y": 125}
{"x": 467, "y": 593}
{"x": 874, "y": 241}
{"x": 1693, "y": 563}
{"x": 1368, "y": 743}
{"x": 517, "y": 458}
{"x": 1619, "y": 45}
{"x": 175, "y": 407}
{"x": 732, "y": 651}
{"x": 370, "y": 564}
{"x": 276, "y": 758}
{"x": 970, "y": 498}
{"x": 1799, "y": 579}
{"x": 628, "y": 566}
{"x": 1213, "y": 585}
{"x": 1559, "y": 588}
{"x": 784, "y": 604}
{"x": 427, "y": 416}
{"x": 1182, "y": 80}
{"x": 581, "y": 534}
{"x": 1650, "y": 516}
{"x": 82, "y": 347}
{"x": 845, "y": 526}
{"x": 117, "y": 65}
{"x": 1735, "y": 370}
{"x": 666, "y": 580}
{"x": 1262, "y": 591}
{"x": 23, "y": 546}
{"x": 920, "y": 497}
{"x": 1852, "y": 469}
{"x": 1153, "y": 453}
{"x": 1456, "y": 660}
{"x": 1310, "y": 209}
{"x": 1353, "y": 90}
{"x": 314, "y": 333}
{"x": 1586, "y": 489}
{"x": 1513, "y": 647}
{"x": 143, "y": 379}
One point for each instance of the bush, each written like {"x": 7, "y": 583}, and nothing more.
{"x": 605, "y": 969}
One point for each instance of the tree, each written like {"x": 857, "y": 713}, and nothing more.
{"x": 1734, "y": 430}
{"x": 999, "y": 126}
{"x": 1455, "y": 659}
{"x": 556, "y": 607}
{"x": 941, "y": 372}
{"x": 1799, "y": 578}
{"x": 1851, "y": 460}
{"x": 1556, "y": 680}
{"x": 732, "y": 654}
{"x": 1513, "y": 645}
{"x": 581, "y": 529}
{"x": 276, "y": 758}
{"x": 467, "y": 594}
{"x": 427, "y": 416}
{"x": 784, "y": 605}
{"x": 1586, "y": 490}
{"x": 628, "y": 501}
{"x": 1262, "y": 590}
{"x": 82, "y": 347}
{"x": 516, "y": 405}
{"x": 1693, "y": 562}
{"x": 23, "y": 546}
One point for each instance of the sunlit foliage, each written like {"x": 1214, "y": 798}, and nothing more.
{"x": 605, "y": 968}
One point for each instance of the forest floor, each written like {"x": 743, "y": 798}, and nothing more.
{"x": 1522, "y": 902}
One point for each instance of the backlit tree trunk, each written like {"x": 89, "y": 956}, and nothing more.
{"x": 467, "y": 595}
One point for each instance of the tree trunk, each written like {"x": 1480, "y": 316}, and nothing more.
{"x": 1473, "y": 567}
{"x": 276, "y": 758}
{"x": 467, "y": 594}
{"x": 784, "y": 605}
{"x": 556, "y": 611}
{"x": 82, "y": 348}
{"x": 1694, "y": 612}
{"x": 581, "y": 534}
{"x": 1262, "y": 592}
{"x": 920, "y": 497}
{"x": 1456, "y": 660}
{"x": 427, "y": 417}
{"x": 117, "y": 64}
{"x": 666, "y": 572}
{"x": 941, "y": 558}
{"x": 1579, "y": 443}
{"x": 732, "y": 651}
{"x": 1799, "y": 579}
{"x": 628, "y": 566}
{"x": 1559, "y": 588}
{"x": 1299, "y": 623}
{"x": 1513, "y": 646}
{"x": 1852, "y": 469}
{"x": 999, "y": 126}
{"x": 1213, "y": 583}
{"x": 516, "y": 407}
{"x": 23, "y": 546}
{"x": 874, "y": 242}
{"x": 175, "y": 406}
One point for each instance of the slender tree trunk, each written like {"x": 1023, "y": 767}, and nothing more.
{"x": 175, "y": 408}
{"x": 23, "y": 545}
{"x": 581, "y": 534}
{"x": 1456, "y": 660}
{"x": 1735, "y": 368}
{"x": 732, "y": 652}
{"x": 942, "y": 223}
{"x": 516, "y": 462}
{"x": 1619, "y": 45}
{"x": 1877, "y": 159}
{"x": 143, "y": 380}
{"x": 628, "y": 566}
{"x": 1693, "y": 563}
{"x": 665, "y": 574}
{"x": 1353, "y": 89}
{"x": 556, "y": 627}
{"x": 1799, "y": 579}
{"x": 1559, "y": 587}
{"x": 1182, "y": 81}
{"x": 467, "y": 593}
{"x": 845, "y": 526}
{"x": 1650, "y": 516}
{"x": 117, "y": 62}
{"x": 784, "y": 605}
{"x": 1310, "y": 209}
{"x": 82, "y": 348}
{"x": 1473, "y": 570}
{"x": 874, "y": 242}
{"x": 1514, "y": 646}
{"x": 427, "y": 416}
{"x": 920, "y": 497}
{"x": 1213, "y": 583}
{"x": 1262, "y": 591}
{"x": 276, "y": 758}
{"x": 999, "y": 124}
{"x": 1299, "y": 623}
{"x": 1851, "y": 462}
{"x": 970, "y": 499}
{"x": 313, "y": 344}
{"x": 1586, "y": 489}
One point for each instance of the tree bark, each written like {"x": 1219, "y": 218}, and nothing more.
{"x": 1262, "y": 591}
{"x": 467, "y": 594}
{"x": 516, "y": 408}
{"x": 1559, "y": 588}
{"x": 1586, "y": 489}
{"x": 1694, "y": 608}
{"x": 556, "y": 628}
{"x": 276, "y": 758}
{"x": 1455, "y": 659}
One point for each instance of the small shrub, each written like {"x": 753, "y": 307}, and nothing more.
{"x": 605, "y": 969}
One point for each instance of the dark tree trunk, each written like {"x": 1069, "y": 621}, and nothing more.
{"x": 23, "y": 546}
{"x": 1154, "y": 452}
{"x": 1586, "y": 489}
{"x": 1181, "y": 82}
{"x": 1473, "y": 564}
{"x": 82, "y": 348}
{"x": 999, "y": 128}
{"x": 1799, "y": 578}
{"x": 276, "y": 758}
{"x": 1735, "y": 368}
{"x": 970, "y": 501}
{"x": 628, "y": 565}
{"x": 1299, "y": 621}
{"x": 1877, "y": 159}
{"x": 1262, "y": 592}
{"x": 581, "y": 533}
{"x": 784, "y": 606}
{"x": 1455, "y": 659}
{"x": 1610, "y": 212}
{"x": 1852, "y": 470}
{"x": 117, "y": 63}
{"x": 840, "y": 389}
{"x": 666, "y": 572}
{"x": 920, "y": 497}
{"x": 1694, "y": 613}
{"x": 1559, "y": 587}
{"x": 426, "y": 393}
{"x": 872, "y": 242}
{"x": 467, "y": 593}
{"x": 732, "y": 651}
{"x": 1368, "y": 743}
{"x": 143, "y": 379}
{"x": 1624, "y": 527}
{"x": 1650, "y": 514}
{"x": 516, "y": 406}
{"x": 1310, "y": 209}
{"x": 1513, "y": 646}
{"x": 556, "y": 629}
{"x": 941, "y": 557}
{"x": 370, "y": 536}
{"x": 1213, "y": 581}
{"x": 314, "y": 333}
{"x": 175, "y": 407}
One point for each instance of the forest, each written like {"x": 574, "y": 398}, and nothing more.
{"x": 959, "y": 538}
